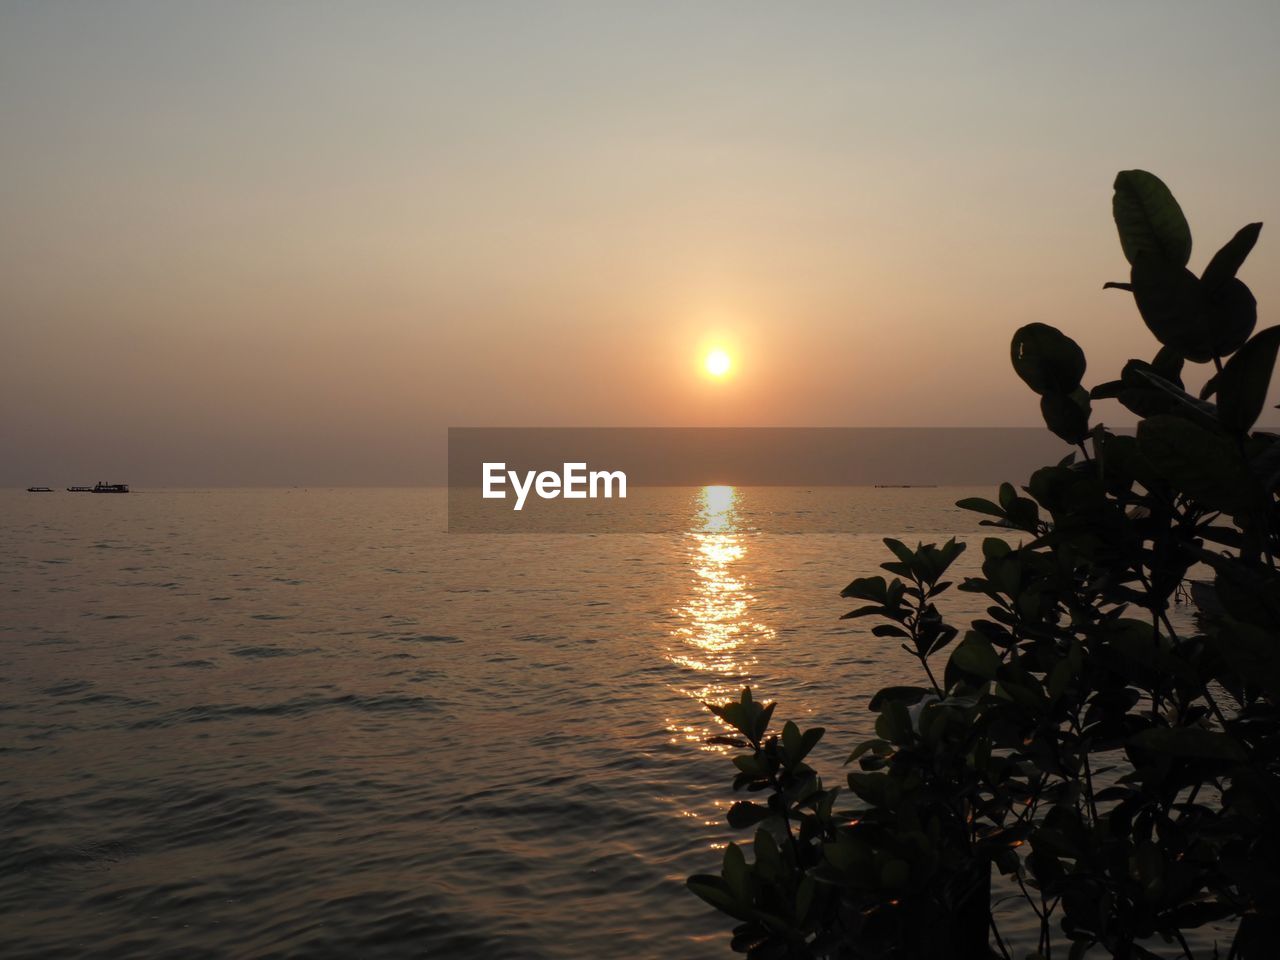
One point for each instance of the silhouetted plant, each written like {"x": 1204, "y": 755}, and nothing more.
{"x": 1123, "y": 776}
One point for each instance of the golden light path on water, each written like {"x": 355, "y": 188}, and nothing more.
{"x": 716, "y": 630}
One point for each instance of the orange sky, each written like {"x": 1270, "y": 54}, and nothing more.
{"x": 292, "y": 243}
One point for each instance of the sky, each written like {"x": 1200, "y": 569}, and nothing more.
{"x": 292, "y": 243}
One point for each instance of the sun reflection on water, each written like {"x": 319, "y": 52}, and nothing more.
{"x": 716, "y": 629}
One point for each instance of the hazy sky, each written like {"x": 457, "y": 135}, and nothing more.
{"x": 292, "y": 242}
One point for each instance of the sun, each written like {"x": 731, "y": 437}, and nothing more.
{"x": 717, "y": 363}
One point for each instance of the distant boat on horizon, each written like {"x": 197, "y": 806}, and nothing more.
{"x": 39, "y": 489}
{"x": 101, "y": 487}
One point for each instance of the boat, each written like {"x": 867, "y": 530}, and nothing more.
{"x": 39, "y": 490}
{"x": 79, "y": 489}
{"x": 101, "y": 487}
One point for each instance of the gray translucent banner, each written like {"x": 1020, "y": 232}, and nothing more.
{"x": 765, "y": 479}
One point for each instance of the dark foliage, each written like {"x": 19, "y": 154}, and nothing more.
{"x": 1123, "y": 776}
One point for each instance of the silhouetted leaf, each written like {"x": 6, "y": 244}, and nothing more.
{"x": 894, "y": 723}
{"x": 1233, "y": 313}
{"x": 768, "y": 863}
{"x": 871, "y": 787}
{"x": 808, "y": 740}
{"x": 1242, "y": 386}
{"x": 714, "y": 891}
{"x": 1067, "y": 414}
{"x": 1046, "y": 359}
{"x": 1227, "y": 261}
{"x": 993, "y": 548}
{"x": 796, "y": 744}
{"x": 745, "y": 814}
{"x": 1149, "y": 219}
{"x": 752, "y": 765}
{"x": 900, "y": 550}
{"x": 761, "y": 723}
{"x": 879, "y": 747}
{"x": 864, "y": 612}
{"x": 1210, "y": 387}
{"x": 748, "y": 937}
{"x": 1109, "y": 390}
{"x": 975, "y": 655}
{"x": 737, "y": 876}
{"x": 1174, "y": 307}
{"x": 888, "y": 630}
{"x": 907, "y": 695}
{"x": 866, "y": 588}
{"x": 1168, "y": 363}
{"x": 1167, "y": 397}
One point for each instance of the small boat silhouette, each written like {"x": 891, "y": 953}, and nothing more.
{"x": 101, "y": 487}
{"x": 39, "y": 490}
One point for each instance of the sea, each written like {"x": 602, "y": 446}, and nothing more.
{"x": 313, "y": 723}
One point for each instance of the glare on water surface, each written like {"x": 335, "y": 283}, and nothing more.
{"x": 716, "y": 627}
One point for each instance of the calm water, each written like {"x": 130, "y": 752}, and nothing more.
{"x": 310, "y": 723}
